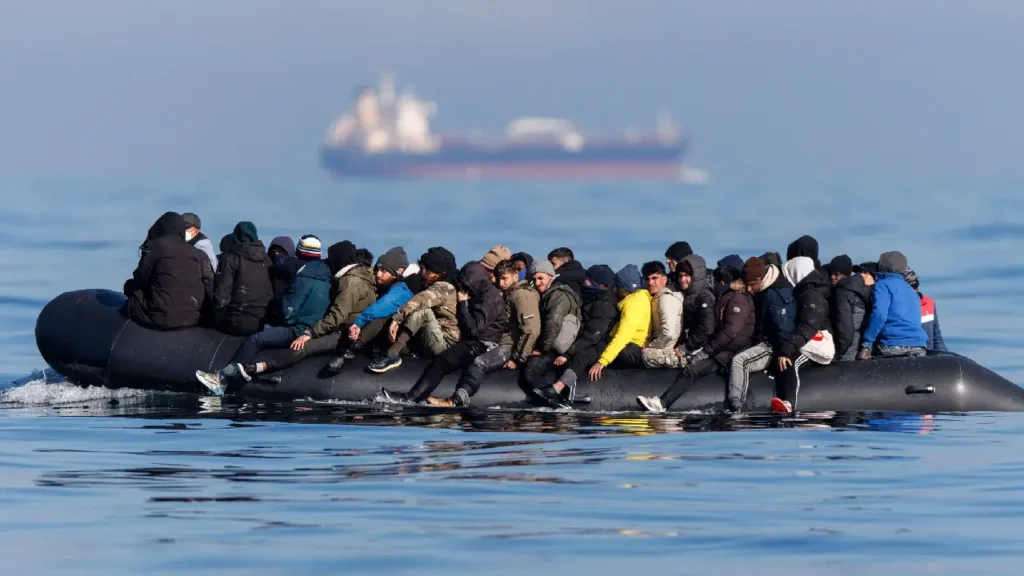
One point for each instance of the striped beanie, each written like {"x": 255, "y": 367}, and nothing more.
{"x": 309, "y": 248}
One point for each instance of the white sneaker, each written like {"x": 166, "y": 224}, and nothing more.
{"x": 651, "y": 404}
{"x": 212, "y": 381}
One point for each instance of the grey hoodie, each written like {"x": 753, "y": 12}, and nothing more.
{"x": 206, "y": 247}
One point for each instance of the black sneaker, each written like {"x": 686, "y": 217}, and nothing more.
{"x": 549, "y": 397}
{"x": 460, "y": 398}
{"x": 384, "y": 364}
{"x": 393, "y": 396}
{"x": 246, "y": 371}
{"x": 336, "y": 364}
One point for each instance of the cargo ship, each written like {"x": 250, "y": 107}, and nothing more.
{"x": 388, "y": 135}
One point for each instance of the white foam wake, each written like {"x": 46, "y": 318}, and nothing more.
{"x": 49, "y": 389}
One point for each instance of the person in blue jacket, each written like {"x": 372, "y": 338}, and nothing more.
{"x": 303, "y": 304}
{"x": 894, "y": 328}
{"x": 393, "y": 291}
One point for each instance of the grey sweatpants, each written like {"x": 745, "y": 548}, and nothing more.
{"x": 754, "y": 359}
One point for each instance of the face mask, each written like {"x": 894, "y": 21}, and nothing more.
{"x": 189, "y": 236}
{"x": 522, "y": 274}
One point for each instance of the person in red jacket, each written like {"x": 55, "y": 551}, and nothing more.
{"x": 929, "y": 316}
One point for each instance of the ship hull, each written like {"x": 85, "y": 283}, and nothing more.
{"x": 654, "y": 161}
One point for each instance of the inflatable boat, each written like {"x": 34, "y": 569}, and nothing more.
{"x": 84, "y": 337}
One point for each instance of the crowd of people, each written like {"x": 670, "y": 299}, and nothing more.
{"x": 552, "y": 320}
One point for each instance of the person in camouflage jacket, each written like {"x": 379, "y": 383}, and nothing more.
{"x": 430, "y": 316}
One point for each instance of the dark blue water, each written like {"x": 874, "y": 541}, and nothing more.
{"x": 93, "y": 481}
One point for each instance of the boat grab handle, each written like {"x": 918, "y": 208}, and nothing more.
{"x": 920, "y": 389}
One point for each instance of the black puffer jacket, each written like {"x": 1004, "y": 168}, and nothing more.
{"x": 484, "y": 316}
{"x": 243, "y": 288}
{"x": 736, "y": 319}
{"x": 600, "y": 313}
{"x": 698, "y": 306}
{"x": 167, "y": 290}
{"x": 851, "y": 301}
{"x": 572, "y": 274}
{"x": 812, "y": 295}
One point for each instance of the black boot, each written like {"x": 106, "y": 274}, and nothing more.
{"x": 395, "y": 396}
{"x": 336, "y": 364}
{"x": 547, "y": 396}
{"x": 460, "y": 398}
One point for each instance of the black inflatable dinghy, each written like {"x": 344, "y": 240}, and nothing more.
{"x": 83, "y": 336}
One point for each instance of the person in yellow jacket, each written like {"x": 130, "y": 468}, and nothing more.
{"x": 630, "y": 335}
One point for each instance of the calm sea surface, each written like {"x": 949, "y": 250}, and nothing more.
{"x": 127, "y": 482}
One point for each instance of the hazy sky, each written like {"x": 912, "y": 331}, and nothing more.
{"x": 196, "y": 90}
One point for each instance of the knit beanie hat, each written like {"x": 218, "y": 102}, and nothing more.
{"x": 191, "y": 220}
{"x": 841, "y": 264}
{"x": 629, "y": 278}
{"x": 245, "y": 232}
{"x": 542, "y": 267}
{"x": 340, "y": 255}
{"x": 911, "y": 277}
{"x": 732, "y": 261}
{"x": 364, "y": 257}
{"x": 309, "y": 248}
{"x": 678, "y": 250}
{"x": 495, "y": 255}
{"x": 601, "y": 275}
{"x": 439, "y": 261}
{"x": 772, "y": 258}
{"x": 753, "y": 269}
{"x": 393, "y": 260}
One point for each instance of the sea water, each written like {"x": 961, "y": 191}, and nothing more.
{"x": 94, "y": 481}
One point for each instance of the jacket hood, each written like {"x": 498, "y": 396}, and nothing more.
{"x": 315, "y": 269}
{"x": 170, "y": 224}
{"x": 803, "y": 246}
{"x": 284, "y": 243}
{"x": 226, "y": 243}
{"x": 594, "y": 293}
{"x": 252, "y": 251}
{"x": 524, "y": 258}
{"x": 521, "y": 285}
{"x": 700, "y": 277}
{"x": 856, "y": 285}
{"x": 474, "y": 278}
{"x": 364, "y": 273}
{"x": 340, "y": 255}
{"x": 245, "y": 232}
{"x": 892, "y": 263}
{"x": 797, "y": 269}
{"x": 572, "y": 275}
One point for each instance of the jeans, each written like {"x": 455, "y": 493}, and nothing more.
{"x": 484, "y": 364}
{"x": 460, "y": 355}
{"x": 896, "y": 351}
{"x": 269, "y": 337}
{"x": 686, "y": 378}
{"x": 367, "y": 334}
{"x": 285, "y": 357}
